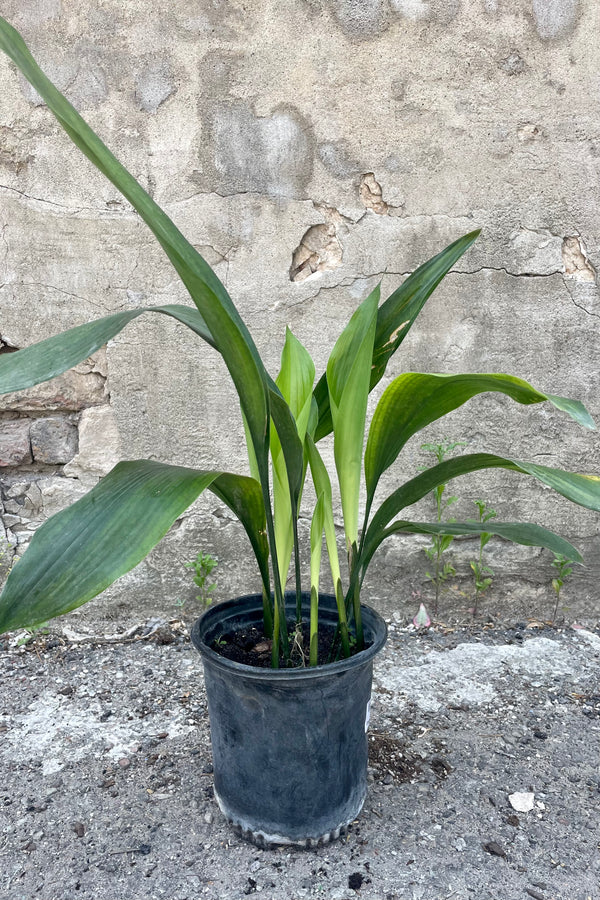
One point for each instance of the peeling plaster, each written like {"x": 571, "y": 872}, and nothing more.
{"x": 320, "y": 248}
{"x": 371, "y": 195}
{"x": 576, "y": 262}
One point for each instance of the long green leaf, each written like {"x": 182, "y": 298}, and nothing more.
{"x": 316, "y": 545}
{"x": 581, "y": 489}
{"x": 229, "y": 332}
{"x": 290, "y": 400}
{"x": 398, "y": 313}
{"x": 322, "y": 485}
{"x": 395, "y": 318}
{"x": 518, "y": 532}
{"x": 80, "y": 551}
{"x": 414, "y": 400}
{"x": 243, "y": 495}
{"x": 53, "y": 356}
{"x": 348, "y": 376}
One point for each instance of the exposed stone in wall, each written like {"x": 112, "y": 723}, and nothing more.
{"x": 80, "y": 387}
{"x": 53, "y": 441}
{"x": 40, "y": 433}
{"x": 154, "y": 85}
{"x": 15, "y": 447}
{"x": 575, "y": 259}
{"x": 321, "y": 247}
{"x": 555, "y": 18}
{"x": 99, "y": 443}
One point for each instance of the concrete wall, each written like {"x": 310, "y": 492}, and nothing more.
{"x": 309, "y": 150}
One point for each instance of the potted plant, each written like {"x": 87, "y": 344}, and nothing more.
{"x": 289, "y": 738}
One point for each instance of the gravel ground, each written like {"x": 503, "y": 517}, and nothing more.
{"x": 106, "y": 788}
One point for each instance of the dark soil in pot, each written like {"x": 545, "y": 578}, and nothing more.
{"x": 251, "y": 647}
{"x": 289, "y": 745}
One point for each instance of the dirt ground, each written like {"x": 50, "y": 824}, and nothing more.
{"x": 484, "y": 772}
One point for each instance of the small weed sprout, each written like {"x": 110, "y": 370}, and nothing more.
{"x": 564, "y": 567}
{"x": 202, "y": 567}
{"x": 32, "y": 633}
{"x": 482, "y": 574}
{"x": 440, "y": 542}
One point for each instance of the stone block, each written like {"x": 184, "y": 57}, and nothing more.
{"x": 84, "y": 385}
{"x": 99, "y": 443}
{"x": 154, "y": 85}
{"x": 53, "y": 440}
{"x": 15, "y": 449}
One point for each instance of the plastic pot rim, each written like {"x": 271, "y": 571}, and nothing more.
{"x": 372, "y": 622}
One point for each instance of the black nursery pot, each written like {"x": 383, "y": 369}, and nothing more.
{"x": 289, "y": 745}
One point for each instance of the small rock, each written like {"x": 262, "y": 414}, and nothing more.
{"x": 494, "y": 849}
{"x": 124, "y": 763}
{"x": 208, "y": 818}
{"x": 355, "y": 881}
{"x": 522, "y": 801}
{"x": 460, "y": 844}
{"x": 79, "y": 829}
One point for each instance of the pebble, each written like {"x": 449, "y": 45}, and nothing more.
{"x": 522, "y": 801}
{"x": 124, "y": 763}
{"x": 494, "y": 849}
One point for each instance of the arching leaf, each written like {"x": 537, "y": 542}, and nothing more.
{"x": 414, "y": 400}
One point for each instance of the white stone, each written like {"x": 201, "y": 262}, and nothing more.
{"x": 522, "y": 801}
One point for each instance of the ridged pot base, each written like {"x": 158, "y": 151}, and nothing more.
{"x": 269, "y": 841}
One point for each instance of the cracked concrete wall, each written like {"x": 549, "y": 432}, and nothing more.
{"x": 309, "y": 150}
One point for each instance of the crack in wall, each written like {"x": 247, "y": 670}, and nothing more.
{"x": 571, "y": 293}
{"x": 6, "y": 187}
{"x": 52, "y": 287}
